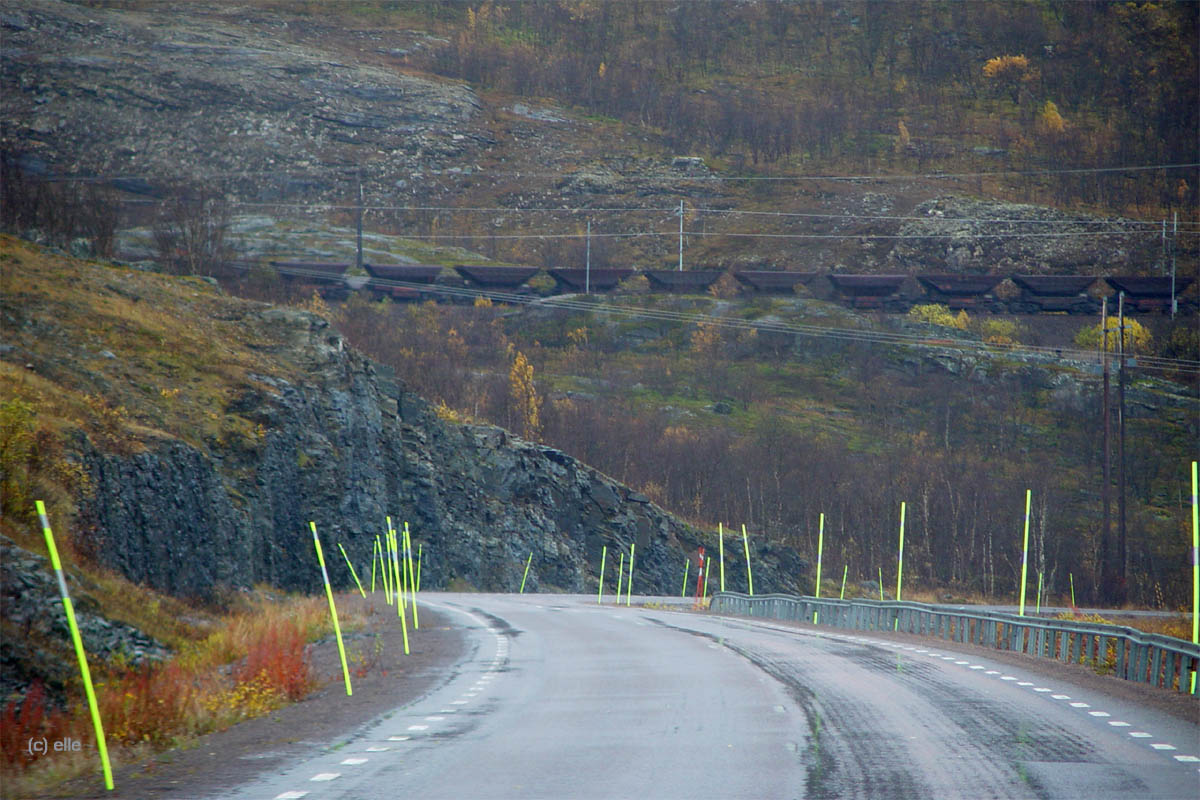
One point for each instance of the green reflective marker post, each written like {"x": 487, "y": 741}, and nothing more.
{"x": 845, "y": 569}
{"x": 374, "y": 555}
{"x": 603, "y": 558}
{"x": 721, "y": 550}
{"x": 528, "y": 561}
{"x": 385, "y": 562}
{"x": 620, "y": 575}
{"x": 352, "y": 572}
{"x": 1039, "y": 594}
{"x": 1025, "y": 554}
{"x": 1195, "y": 569}
{"x": 412, "y": 576}
{"x": 420, "y": 555}
{"x": 900, "y": 564}
{"x": 337, "y": 629}
{"x": 749, "y": 575}
{"x": 1071, "y": 575}
{"x": 629, "y": 582}
{"x": 687, "y": 563}
{"x": 385, "y": 569}
{"x": 820, "y": 551}
{"x": 85, "y": 673}
{"x": 396, "y": 584}
{"x": 881, "y": 584}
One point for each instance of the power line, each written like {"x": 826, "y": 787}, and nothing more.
{"x": 347, "y": 172}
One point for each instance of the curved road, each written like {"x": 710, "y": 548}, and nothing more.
{"x": 561, "y": 698}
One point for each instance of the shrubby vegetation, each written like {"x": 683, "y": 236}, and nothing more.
{"x": 719, "y": 424}
{"x": 863, "y": 84}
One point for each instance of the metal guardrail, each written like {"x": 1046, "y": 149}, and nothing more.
{"x": 1161, "y": 661}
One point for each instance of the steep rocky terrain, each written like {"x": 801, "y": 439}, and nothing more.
{"x": 199, "y": 434}
{"x": 271, "y": 103}
{"x": 200, "y": 95}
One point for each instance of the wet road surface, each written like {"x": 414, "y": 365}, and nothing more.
{"x": 562, "y": 698}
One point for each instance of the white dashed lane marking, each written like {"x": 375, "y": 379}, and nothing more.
{"x": 325, "y": 776}
{"x": 1162, "y": 746}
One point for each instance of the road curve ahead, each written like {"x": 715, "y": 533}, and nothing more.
{"x": 562, "y": 698}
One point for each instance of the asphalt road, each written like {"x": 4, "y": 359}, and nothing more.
{"x": 561, "y": 698}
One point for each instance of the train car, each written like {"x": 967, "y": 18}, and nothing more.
{"x": 573, "y": 280}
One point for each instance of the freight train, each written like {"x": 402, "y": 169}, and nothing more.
{"x": 998, "y": 294}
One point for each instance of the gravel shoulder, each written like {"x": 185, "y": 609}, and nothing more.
{"x": 386, "y": 679}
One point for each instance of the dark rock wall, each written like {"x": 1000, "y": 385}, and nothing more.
{"x": 339, "y": 452}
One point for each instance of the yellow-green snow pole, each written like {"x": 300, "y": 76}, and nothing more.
{"x": 1195, "y": 569}
{"x": 528, "y": 561}
{"x": 337, "y": 629}
{"x": 399, "y": 583}
{"x": 1039, "y": 594}
{"x": 352, "y": 572}
{"x": 687, "y": 563}
{"x": 629, "y": 582}
{"x": 721, "y": 550}
{"x": 85, "y": 673}
{"x": 881, "y": 584}
{"x": 420, "y": 554}
{"x": 374, "y": 553}
{"x": 620, "y": 575}
{"x": 845, "y": 569}
{"x": 900, "y": 564}
{"x": 395, "y": 559}
{"x": 603, "y": 558}
{"x": 412, "y": 577}
{"x": 385, "y": 562}
{"x": 1025, "y": 553}
{"x": 749, "y": 575}
{"x": 820, "y": 551}
{"x": 900, "y": 557}
{"x": 1071, "y": 575}
{"x": 385, "y": 566}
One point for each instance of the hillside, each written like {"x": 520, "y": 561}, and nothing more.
{"x": 810, "y": 131}
{"x": 183, "y": 439}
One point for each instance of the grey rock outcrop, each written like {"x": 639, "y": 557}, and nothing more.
{"x": 976, "y": 236}
{"x": 36, "y": 642}
{"x": 337, "y": 451}
{"x": 186, "y": 92}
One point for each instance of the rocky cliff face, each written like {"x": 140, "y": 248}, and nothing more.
{"x": 338, "y": 451}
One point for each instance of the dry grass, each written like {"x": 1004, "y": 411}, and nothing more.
{"x": 256, "y": 660}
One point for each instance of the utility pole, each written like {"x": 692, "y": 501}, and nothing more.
{"x": 358, "y": 262}
{"x": 1122, "y": 551}
{"x": 1174, "y": 235}
{"x": 681, "y": 236}
{"x": 1106, "y": 555}
{"x": 587, "y": 274}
